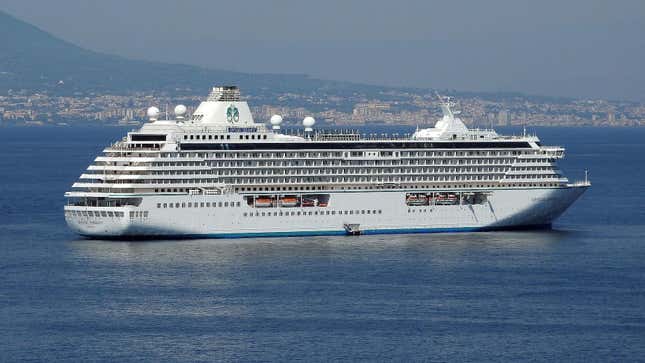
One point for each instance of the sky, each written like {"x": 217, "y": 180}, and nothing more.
{"x": 573, "y": 48}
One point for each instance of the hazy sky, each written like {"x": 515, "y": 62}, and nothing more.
{"x": 580, "y": 48}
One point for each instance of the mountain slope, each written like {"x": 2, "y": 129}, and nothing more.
{"x": 34, "y": 59}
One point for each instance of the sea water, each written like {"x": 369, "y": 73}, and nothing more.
{"x": 573, "y": 293}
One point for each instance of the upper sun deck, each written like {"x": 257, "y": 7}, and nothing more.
{"x": 224, "y": 120}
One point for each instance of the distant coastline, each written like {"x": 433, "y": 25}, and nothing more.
{"x": 84, "y": 86}
{"x": 330, "y": 107}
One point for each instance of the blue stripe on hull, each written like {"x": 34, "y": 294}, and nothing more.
{"x": 326, "y": 233}
{"x": 375, "y": 231}
{"x": 274, "y": 234}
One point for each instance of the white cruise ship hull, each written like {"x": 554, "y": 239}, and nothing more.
{"x": 367, "y": 212}
{"x": 221, "y": 174}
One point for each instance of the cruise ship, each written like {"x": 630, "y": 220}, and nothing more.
{"x": 218, "y": 173}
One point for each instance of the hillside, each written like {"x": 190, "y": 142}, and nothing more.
{"x": 35, "y": 60}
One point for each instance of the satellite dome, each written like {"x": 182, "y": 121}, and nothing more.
{"x": 180, "y": 111}
{"x": 153, "y": 113}
{"x": 276, "y": 120}
{"x": 308, "y": 122}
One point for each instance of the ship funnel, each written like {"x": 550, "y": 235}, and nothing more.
{"x": 224, "y": 93}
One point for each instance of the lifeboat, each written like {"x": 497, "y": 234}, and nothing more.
{"x": 443, "y": 199}
{"x": 289, "y": 202}
{"x": 263, "y": 202}
{"x": 309, "y": 202}
{"x": 419, "y": 199}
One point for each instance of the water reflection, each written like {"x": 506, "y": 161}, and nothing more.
{"x": 296, "y": 278}
{"x": 232, "y": 252}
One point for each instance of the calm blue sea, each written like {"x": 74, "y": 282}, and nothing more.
{"x": 576, "y": 293}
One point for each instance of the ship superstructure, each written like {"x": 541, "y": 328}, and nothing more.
{"x": 218, "y": 173}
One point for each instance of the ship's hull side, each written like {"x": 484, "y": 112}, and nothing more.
{"x": 371, "y": 212}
